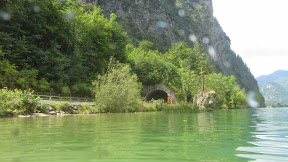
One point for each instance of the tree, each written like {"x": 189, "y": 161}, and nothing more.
{"x": 190, "y": 82}
{"x": 150, "y": 66}
{"x": 181, "y": 55}
{"x": 228, "y": 93}
{"x": 117, "y": 90}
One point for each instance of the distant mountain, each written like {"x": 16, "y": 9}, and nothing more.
{"x": 274, "y": 87}
{"x": 279, "y": 74}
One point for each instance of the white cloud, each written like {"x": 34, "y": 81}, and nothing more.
{"x": 258, "y": 31}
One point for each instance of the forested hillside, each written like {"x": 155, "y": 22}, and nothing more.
{"x": 62, "y": 46}
{"x": 274, "y": 88}
{"x": 165, "y": 22}
{"x": 57, "y": 46}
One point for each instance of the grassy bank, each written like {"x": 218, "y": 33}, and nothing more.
{"x": 18, "y": 102}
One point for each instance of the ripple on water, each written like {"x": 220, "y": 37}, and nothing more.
{"x": 271, "y": 137}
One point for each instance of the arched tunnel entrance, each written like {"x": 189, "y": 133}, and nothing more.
{"x": 157, "y": 95}
{"x": 158, "y": 91}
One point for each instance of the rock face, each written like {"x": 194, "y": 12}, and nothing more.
{"x": 206, "y": 100}
{"x": 165, "y": 22}
{"x": 274, "y": 88}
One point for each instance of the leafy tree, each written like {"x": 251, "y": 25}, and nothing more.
{"x": 117, "y": 90}
{"x": 8, "y": 74}
{"x": 150, "y": 66}
{"x": 67, "y": 42}
{"x": 193, "y": 58}
{"x": 13, "y": 102}
{"x": 190, "y": 82}
{"x": 27, "y": 79}
{"x": 181, "y": 55}
{"x": 202, "y": 61}
{"x": 228, "y": 93}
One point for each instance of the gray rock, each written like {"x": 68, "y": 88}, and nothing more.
{"x": 206, "y": 100}
{"x": 53, "y": 113}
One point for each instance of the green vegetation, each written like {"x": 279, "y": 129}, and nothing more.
{"x": 228, "y": 92}
{"x": 18, "y": 102}
{"x": 57, "y": 46}
{"x": 274, "y": 88}
{"x": 70, "y": 48}
{"x": 117, "y": 90}
{"x": 65, "y": 107}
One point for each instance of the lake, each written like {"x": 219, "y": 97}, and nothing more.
{"x": 221, "y": 135}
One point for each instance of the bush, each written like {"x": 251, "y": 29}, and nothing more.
{"x": 83, "y": 108}
{"x": 180, "y": 108}
{"x": 117, "y": 90}
{"x": 42, "y": 108}
{"x": 148, "y": 107}
{"x": 66, "y": 107}
{"x": 13, "y": 102}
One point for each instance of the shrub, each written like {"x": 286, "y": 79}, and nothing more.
{"x": 117, "y": 90}
{"x": 180, "y": 108}
{"x": 13, "y": 102}
{"x": 65, "y": 106}
{"x": 42, "y": 108}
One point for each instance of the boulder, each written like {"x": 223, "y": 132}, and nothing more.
{"x": 206, "y": 100}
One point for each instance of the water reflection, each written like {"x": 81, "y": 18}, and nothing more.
{"x": 271, "y": 136}
{"x": 207, "y": 136}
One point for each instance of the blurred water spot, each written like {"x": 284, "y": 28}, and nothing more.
{"x": 70, "y": 15}
{"x": 161, "y": 24}
{"x": 4, "y": 15}
{"x": 112, "y": 46}
{"x": 227, "y": 64}
{"x": 15, "y": 131}
{"x": 205, "y": 40}
{"x": 251, "y": 99}
{"x": 193, "y": 38}
{"x": 181, "y": 12}
{"x": 212, "y": 52}
{"x": 181, "y": 32}
{"x": 36, "y": 9}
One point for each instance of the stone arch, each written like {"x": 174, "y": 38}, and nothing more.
{"x": 158, "y": 91}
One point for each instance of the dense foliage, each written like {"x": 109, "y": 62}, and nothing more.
{"x": 166, "y": 22}
{"x": 18, "y": 102}
{"x": 62, "y": 46}
{"x": 56, "y": 45}
{"x": 274, "y": 88}
{"x": 117, "y": 90}
{"x": 228, "y": 92}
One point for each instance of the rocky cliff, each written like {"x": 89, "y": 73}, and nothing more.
{"x": 165, "y": 22}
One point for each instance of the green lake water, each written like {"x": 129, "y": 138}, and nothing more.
{"x": 222, "y": 135}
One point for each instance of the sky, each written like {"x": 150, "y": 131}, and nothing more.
{"x": 258, "y": 30}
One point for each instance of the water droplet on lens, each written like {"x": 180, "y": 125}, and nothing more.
{"x": 251, "y": 99}
{"x": 181, "y": 13}
{"x": 5, "y": 15}
{"x": 193, "y": 38}
{"x": 36, "y": 9}
{"x": 181, "y": 32}
{"x": 205, "y": 40}
{"x": 112, "y": 46}
{"x": 212, "y": 52}
{"x": 227, "y": 64}
{"x": 161, "y": 24}
{"x": 15, "y": 131}
{"x": 70, "y": 15}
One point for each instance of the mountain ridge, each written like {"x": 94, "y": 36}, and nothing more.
{"x": 271, "y": 77}
{"x": 167, "y": 22}
{"x": 274, "y": 87}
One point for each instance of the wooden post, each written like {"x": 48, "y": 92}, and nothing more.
{"x": 202, "y": 80}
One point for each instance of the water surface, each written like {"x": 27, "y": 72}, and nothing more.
{"x": 222, "y": 135}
